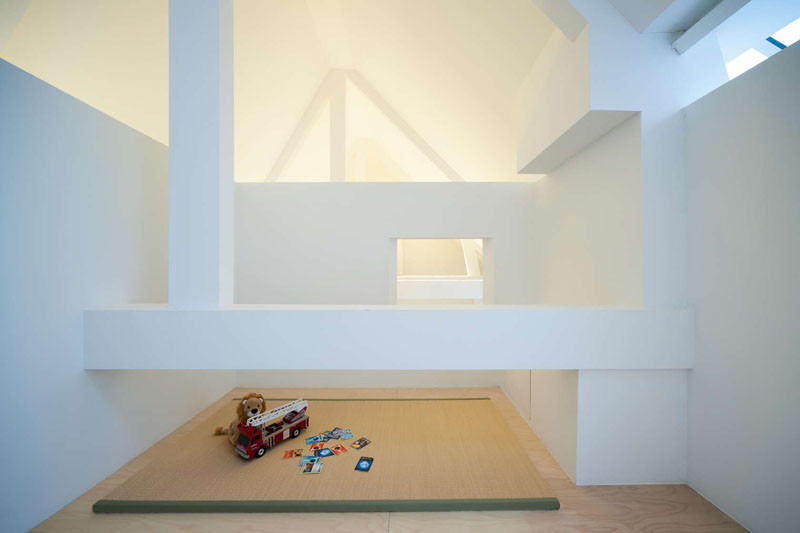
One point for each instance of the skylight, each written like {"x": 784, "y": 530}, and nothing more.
{"x": 788, "y": 35}
{"x": 744, "y": 62}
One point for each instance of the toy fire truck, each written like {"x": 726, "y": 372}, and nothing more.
{"x": 256, "y": 437}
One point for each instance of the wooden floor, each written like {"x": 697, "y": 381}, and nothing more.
{"x": 602, "y": 508}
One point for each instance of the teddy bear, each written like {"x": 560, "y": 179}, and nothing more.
{"x": 251, "y": 405}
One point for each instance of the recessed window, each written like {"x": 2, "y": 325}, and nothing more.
{"x": 439, "y": 271}
{"x": 744, "y": 62}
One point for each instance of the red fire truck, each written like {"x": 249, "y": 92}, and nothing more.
{"x": 256, "y": 436}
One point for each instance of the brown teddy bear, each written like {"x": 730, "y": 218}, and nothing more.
{"x": 251, "y": 405}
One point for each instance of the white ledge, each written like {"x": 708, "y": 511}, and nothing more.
{"x": 584, "y": 132}
{"x": 387, "y": 337}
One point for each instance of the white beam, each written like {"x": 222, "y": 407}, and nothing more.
{"x": 338, "y": 126}
{"x": 303, "y": 127}
{"x": 564, "y": 15}
{"x": 707, "y": 24}
{"x": 388, "y": 336}
{"x": 333, "y": 90}
{"x": 389, "y": 112}
{"x": 200, "y": 153}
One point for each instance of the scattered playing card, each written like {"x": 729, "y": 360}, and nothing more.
{"x": 346, "y": 434}
{"x": 336, "y": 433}
{"x": 364, "y": 464}
{"x": 360, "y": 443}
{"x": 323, "y": 452}
{"x": 308, "y": 459}
{"x": 315, "y": 438}
{"x": 288, "y": 454}
{"x": 317, "y": 446}
{"x": 311, "y": 468}
{"x": 338, "y": 449}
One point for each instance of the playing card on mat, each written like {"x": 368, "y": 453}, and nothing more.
{"x": 364, "y": 464}
{"x": 311, "y": 468}
{"x": 338, "y": 449}
{"x": 360, "y": 443}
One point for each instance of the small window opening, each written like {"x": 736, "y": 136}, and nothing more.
{"x": 440, "y": 271}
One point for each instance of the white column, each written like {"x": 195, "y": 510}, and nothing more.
{"x": 200, "y": 153}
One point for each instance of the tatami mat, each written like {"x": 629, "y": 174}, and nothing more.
{"x": 430, "y": 454}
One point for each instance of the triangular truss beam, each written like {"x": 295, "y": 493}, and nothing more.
{"x": 333, "y": 90}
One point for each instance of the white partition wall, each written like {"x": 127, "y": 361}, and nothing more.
{"x": 744, "y": 259}
{"x": 335, "y": 243}
{"x": 83, "y": 215}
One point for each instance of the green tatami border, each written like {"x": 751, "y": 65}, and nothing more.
{"x": 324, "y": 506}
{"x": 371, "y": 399}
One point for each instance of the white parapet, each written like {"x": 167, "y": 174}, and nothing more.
{"x": 387, "y": 337}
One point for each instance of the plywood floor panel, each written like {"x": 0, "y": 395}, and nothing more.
{"x": 671, "y": 508}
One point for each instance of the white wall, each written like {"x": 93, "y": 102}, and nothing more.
{"x": 743, "y": 166}
{"x": 588, "y": 225}
{"x": 548, "y": 401}
{"x": 516, "y": 385}
{"x": 82, "y": 223}
{"x": 628, "y": 71}
{"x": 331, "y": 243}
{"x": 637, "y": 71}
{"x": 554, "y": 414}
{"x": 631, "y": 427}
{"x": 607, "y": 427}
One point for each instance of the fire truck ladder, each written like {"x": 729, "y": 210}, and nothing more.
{"x": 283, "y": 410}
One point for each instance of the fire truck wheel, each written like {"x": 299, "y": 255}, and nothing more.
{"x": 261, "y": 451}
{"x": 295, "y": 432}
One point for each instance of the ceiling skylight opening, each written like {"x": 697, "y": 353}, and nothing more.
{"x": 744, "y": 62}
{"x": 788, "y": 35}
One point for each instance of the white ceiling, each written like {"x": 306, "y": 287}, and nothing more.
{"x": 450, "y": 67}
